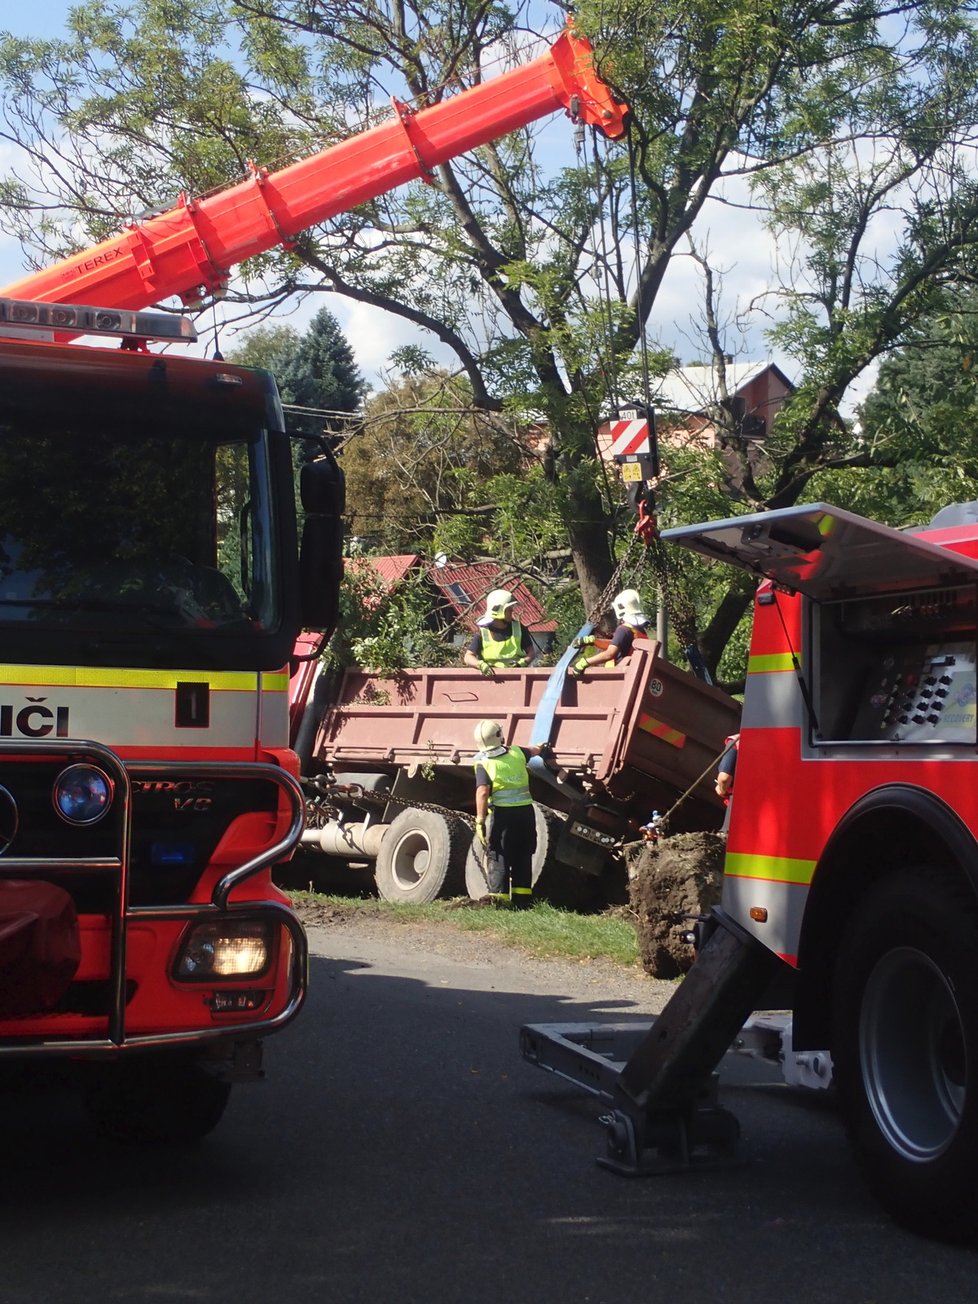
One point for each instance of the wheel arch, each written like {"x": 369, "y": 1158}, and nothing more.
{"x": 890, "y": 827}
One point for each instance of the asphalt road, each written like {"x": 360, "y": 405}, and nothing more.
{"x": 401, "y": 1152}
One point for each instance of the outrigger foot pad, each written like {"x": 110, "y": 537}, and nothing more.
{"x": 672, "y": 1141}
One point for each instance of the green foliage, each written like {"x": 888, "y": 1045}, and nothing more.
{"x": 321, "y": 371}
{"x": 313, "y": 370}
{"x": 921, "y": 419}
{"x": 386, "y": 629}
{"x": 269, "y": 348}
{"x": 419, "y": 473}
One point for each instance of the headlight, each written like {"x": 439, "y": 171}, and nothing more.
{"x": 224, "y": 948}
{"x": 82, "y": 794}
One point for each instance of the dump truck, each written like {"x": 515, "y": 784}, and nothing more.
{"x": 850, "y": 893}
{"x": 387, "y": 767}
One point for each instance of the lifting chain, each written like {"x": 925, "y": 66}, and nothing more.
{"x": 652, "y": 553}
{"x": 673, "y": 596}
{"x": 319, "y": 805}
{"x": 604, "y": 602}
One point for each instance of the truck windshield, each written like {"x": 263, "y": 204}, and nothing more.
{"x": 120, "y": 523}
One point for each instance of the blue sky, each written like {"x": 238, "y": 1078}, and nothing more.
{"x": 33, "y": 17}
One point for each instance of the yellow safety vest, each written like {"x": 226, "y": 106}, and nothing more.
{"x": 503, "y": 651}
{"x": 508, "y": 778}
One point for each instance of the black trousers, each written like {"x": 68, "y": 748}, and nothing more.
{"x": 512, "y": 842}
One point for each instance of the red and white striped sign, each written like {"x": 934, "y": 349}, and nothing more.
{"x": 629, "y": 437}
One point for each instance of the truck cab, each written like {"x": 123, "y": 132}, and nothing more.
{"x": 152, "y": 586}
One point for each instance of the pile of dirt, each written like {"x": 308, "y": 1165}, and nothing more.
{"x": 669, "y": 883}
{"x": 324, "y": 914}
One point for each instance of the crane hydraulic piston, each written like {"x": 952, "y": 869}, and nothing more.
{"x": 189, "y": 251}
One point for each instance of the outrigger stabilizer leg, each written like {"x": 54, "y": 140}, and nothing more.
{"x": 661, "y": 1082}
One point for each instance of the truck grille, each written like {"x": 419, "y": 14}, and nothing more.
{"x": 177, "y": 822}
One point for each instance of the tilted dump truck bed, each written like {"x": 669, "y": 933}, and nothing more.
{"x": 641, "y": 733}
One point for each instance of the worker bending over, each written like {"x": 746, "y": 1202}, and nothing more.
{"x": 509, "y": 839}
{"x": 632, "y": 623}
{"x": 501, "y": 640}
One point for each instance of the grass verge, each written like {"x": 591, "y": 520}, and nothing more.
{"x": 542, "y": 931}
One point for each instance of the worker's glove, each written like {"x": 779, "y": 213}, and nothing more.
{"x": 523, "y": 661}
{"x": 586, "y": 641}
{"x": 545, "y": 751}
{"x": 576, "y": 671}
{"x": 480, "y": 832}
{"x": 486, "y": 670}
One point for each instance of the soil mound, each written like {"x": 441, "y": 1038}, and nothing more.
{"x": 669, "y": 883}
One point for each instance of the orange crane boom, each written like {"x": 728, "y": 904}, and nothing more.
{"x": 189, "y": 251}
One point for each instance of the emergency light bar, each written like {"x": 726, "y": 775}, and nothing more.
{"x": 27, "y": 315}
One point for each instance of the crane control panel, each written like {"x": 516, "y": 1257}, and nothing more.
{"x": 920, "y": 695}
{"x": 898, "y": 668}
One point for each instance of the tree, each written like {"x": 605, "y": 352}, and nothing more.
{"x": 923, "y": 413}
{"x": 321, "y": 372}
{"x": 269, "y": 348}
{"x": 419, "y": 472}
{"x": 542, "y": 279}
{"x": 313, "y": 370}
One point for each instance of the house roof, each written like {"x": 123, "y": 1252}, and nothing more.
{"x": 694, "y": 388}
{"x": 390, "y": 570}
{"x": 465, "y": 589}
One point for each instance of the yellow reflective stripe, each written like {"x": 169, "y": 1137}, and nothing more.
{"x": 522, "y": 891}
{"x": 674, "y": 737}
{"x": 771, "y": 661}
{"x": 114, "y": 677}
{"x": 775, "y": 869}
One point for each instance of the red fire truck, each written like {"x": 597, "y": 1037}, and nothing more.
{"x": 850, "y": 893}
{"x": 152, "y": 588}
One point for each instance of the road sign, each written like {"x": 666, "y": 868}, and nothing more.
{"x": 630, "y": 437}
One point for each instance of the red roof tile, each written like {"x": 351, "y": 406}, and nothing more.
{"x": 391, "y": 570}
{"x": 465, "y": 589}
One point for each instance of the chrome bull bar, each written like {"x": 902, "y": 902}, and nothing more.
{"x": 121, "y": 772}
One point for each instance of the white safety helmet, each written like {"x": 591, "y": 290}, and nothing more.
{"x": 628, "y": 607}
{"x": 499, "y": 606}
{"x": 488, "y": 736}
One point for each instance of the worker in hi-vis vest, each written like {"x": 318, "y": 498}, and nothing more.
{"x": 501, "y": 639}
{"x": 632, "y": 624}
{"x": 508, "y": 840}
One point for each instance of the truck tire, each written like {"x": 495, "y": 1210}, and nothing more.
{"x": 561, "y": 885}
{"x": 905, "y": 1049}
{"x": 156, "y": 1099}
{"x": 422, "y": 857}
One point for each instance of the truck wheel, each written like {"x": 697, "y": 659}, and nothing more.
{"x": 561, "y": 885}
{"x": 421, "y": 857}
{"x": 905, "y": 1049}
{"x": 156, "y": 1099}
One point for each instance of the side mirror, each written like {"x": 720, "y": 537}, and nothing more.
{"x": 322, "y": 494}
{"x": 320, "y": 572}
{"x": 322, "y": 486}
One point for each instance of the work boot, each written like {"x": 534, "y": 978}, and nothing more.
{"x": 522, "y": 898}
